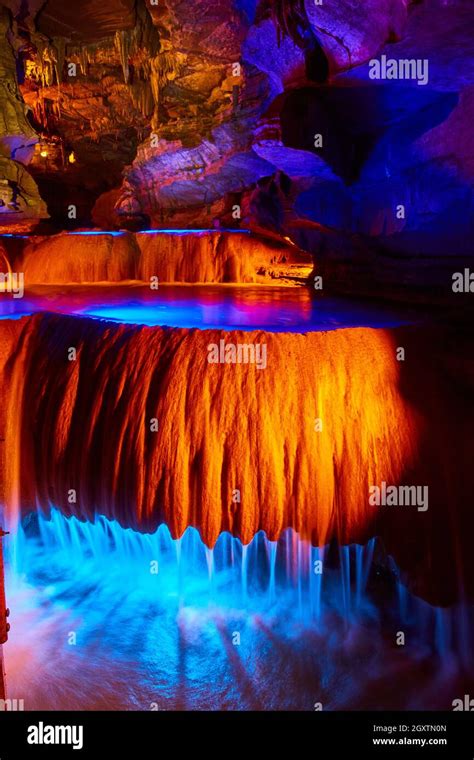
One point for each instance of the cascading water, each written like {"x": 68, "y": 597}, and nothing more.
{"x": 105, "y": 617}
{"x": 170, "y": 256}
{"x": 85, "y": 425}
{"x": 152, "y": 588}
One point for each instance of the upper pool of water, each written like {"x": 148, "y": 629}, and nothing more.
{"x": 120, "y": 233}
{"x": 271, "y": 308}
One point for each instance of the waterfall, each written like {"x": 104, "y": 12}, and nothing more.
{"x": 136, "y": 424}
{"x": 109, "y": 617}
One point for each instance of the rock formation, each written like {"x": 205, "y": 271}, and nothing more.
{"x": 20, "y": 202}
{"x": 210, "y": 256}
{"x": 171, "y": 115}
{"x": 141, "y": 428}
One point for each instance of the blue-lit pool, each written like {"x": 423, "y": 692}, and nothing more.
{"x": 272, "y": 308}
{"x": 106, "y": 618}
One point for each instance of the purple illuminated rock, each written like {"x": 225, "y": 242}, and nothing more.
{"x": 351, "y": 32}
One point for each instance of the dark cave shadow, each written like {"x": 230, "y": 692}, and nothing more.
{"x": 437, "y": 380}
{"x": 351, "y": 121}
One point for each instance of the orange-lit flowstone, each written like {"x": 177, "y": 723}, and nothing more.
{"x": 141, "y": 427}
{"x": 206, "y": 256}
{"x": 87, "y": 424}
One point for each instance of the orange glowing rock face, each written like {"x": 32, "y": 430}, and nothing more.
{"x": 206, "y": 257}
{"x": 144, "y": 429}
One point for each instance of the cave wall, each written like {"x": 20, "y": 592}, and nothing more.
{"x": 201, "y": 114}
{"x": 20, "y": 201}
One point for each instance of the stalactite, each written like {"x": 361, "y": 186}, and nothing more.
{"x": 60, "y": 45}
{"x": 44, "y": 67}
{"x": 290, "y": 19}
{"x": 39, "y": 110}
{"x": 123, "y": 41}
{"x": 142, "y": 97}
{"x": 153, "y": 60}
{"x": 84, "y": 60}
{"x": 160, "y": 70}
{"x": 155, "y": 79}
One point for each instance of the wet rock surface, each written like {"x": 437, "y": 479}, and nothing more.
{"x": 181, "y": 114}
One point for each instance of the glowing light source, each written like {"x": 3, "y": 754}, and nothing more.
{"x": 72, "y": 158}
{"x": 44, "y": 153}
